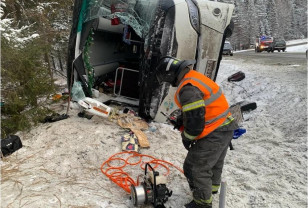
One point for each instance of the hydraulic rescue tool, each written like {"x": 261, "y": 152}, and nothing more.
{"x": 152, "y": 190}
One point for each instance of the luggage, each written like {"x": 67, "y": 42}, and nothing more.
{"x": 10, "y": 144}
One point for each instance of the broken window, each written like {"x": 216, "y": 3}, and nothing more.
{"x": 136, "y": 13}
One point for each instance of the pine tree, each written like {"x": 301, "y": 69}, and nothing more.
{"x": 279, "y": 18}
{"x": 273, "y": 18}
{"x": 253, "y": 21}
{"x": 33, "y": 30}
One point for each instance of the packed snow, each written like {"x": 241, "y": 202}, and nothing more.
{"x": 59, "y": 164}
{"x": 297, "y": 49}
{"x": 298, "y": 41}
{"x": 293, "y": 47}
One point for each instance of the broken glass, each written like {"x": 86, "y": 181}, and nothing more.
{"x": 136, "y": 13}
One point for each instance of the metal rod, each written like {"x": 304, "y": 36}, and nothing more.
{"x": 115, "y": 81}
{"x": 222, "y": 194}
{"x": 70, "y": 86}
{"x": 122, "y": 75}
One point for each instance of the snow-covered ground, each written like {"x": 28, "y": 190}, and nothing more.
{"x": 298, "y": 49}
{"x": 298, "y": 41}
{"x": 269, "y": 166}
{"x": 59, "y": 165}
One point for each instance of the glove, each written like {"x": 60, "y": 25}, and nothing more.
{"x": 186, "y": 142}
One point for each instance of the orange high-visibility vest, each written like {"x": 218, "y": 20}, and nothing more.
{"x": 216, "y": 105}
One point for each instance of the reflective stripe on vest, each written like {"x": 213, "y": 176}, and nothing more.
{"x": 216, "y": 113}
{"x": 227, "y": 121}
{"x": 213, "y": 96}
{"x": 223, "y": 115}
{"x": 194, "y": 105}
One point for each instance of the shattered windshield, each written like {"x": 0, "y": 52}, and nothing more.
{"x": 136, "y": 13}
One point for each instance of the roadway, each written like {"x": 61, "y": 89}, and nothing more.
{"x": 276, "y": 58}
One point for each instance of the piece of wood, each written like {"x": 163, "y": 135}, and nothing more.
{"x": 129, "y": 122}
{"x": 142, "y": 138}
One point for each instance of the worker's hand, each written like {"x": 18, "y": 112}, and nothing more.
{"x": 186, "y": 142}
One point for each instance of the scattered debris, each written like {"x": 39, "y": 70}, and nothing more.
{"x": 153, "y": 128}
{"x": 95, "y": 93}
{"x": 77, "y": 92}
{"x": 238, "y": 76}
{"x": 238, "y": 132}
{"x": 247, "y": 106}
{"x": 142, "y": 138}
{"x": 10, "y": 144}
{"x": 65, "y": 91}
{"x": 129, "y": 122}
{"x": 83, "y": 114}
{"x": 136, "y": 125}
{"x": 130, "y": 142}
{"x": 55, "y": 117}
{"x": 94, "y": 107}
{"x": 56, "y": 97}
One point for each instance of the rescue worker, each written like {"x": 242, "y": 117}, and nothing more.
{"x": 208, "y": 127}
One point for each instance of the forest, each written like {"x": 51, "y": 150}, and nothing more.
{"x": 34, "y": 41}
{"x": 283, "y": 19}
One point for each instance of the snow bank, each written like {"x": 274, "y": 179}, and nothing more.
{"x": 298, "y": 41}
{"x": 297, "y": 49}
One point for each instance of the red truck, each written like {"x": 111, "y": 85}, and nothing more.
{"x": 263, "y": 43}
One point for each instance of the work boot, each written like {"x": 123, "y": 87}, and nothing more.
{"x": 193, "y": 204}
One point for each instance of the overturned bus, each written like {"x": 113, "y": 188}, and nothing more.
{"x": 119, "y": 43}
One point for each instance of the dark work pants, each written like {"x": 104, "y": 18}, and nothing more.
{"x": 204, "y": 162}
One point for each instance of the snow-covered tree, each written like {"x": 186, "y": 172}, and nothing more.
{"x": 17, "y": 35}
{"x": 32, "y": 31}
{"x": 277, "y": 18}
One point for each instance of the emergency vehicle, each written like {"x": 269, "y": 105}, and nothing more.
{"x": 263, "y": 43}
